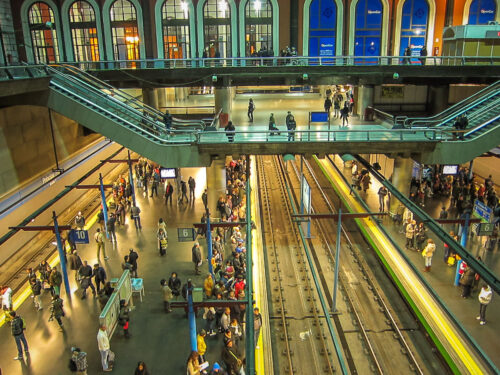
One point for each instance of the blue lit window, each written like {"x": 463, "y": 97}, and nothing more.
{"x": 368, "y": 30}
{"x": 414, "y": 26}
{"x": 322, "y": 27}
{"x": 481, "y": 12}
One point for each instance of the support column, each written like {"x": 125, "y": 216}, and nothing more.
{"x": 224, "y": 101}
{"x": 150, "y": 97}
{"x": 401, "y": 178}
{"x": 438, "y": 98}
{"x": 162, "y": 98}
{"x": 365, "y": 95}
{"x": 216, "y": 184}
{"x": 179, "y": 93}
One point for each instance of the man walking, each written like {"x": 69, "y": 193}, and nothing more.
{"x": 184, "y": 192}
{"x": 99, "y": 240}
{"x": 192, "y": 186}
{"x": 382, "y": 193}
{"x": 99, "y": 276}
{"x": 169, "y": 190}
{"x": 132, "y": 257}
{"x": 257, "y": 324}
{"x": 104, "y": 348}
{"x": 55, "y": 281}
{"x": 196, "y": 257}
{"x": 18, "y": 326}
{"x": 136, "y": 215}
{"x": 86, "y": 273}
{"x": 111, "y": 227}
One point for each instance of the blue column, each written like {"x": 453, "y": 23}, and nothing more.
{"x": 104, "y": 207}
{"x": 192, "y": 319}
{"x": 337, "y": 257}
{"x": 131, "y": 179}
{"x": 62, "y": 257}
{"x": 463, "y": 243}
{"x": 209, "y": 245}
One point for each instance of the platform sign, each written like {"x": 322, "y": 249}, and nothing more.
{"x": 79, "y": 235}
{"x": 485, "y": 229}
{"x": 318, "y": 116}
{"x": 483, "y": 211}
{"x": 185, "y": 234}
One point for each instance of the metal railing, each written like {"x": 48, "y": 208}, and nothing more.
{"x": 13, "y": 72}
{"x": 452, "y": 111}
{"x": 415, "y": 61}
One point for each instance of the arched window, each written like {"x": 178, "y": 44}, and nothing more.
{"x": 414, "y": 22}
{"x": 481, "y": 12}
{"x": 125, "y": 32}
{"x": 217, "y": 28}
{"x": 175, "y": 28}
{"x": 322, "y": 27}
{"x": 43, "y": 33}
{"x": 83, "y": 26}
{"x": 258, "y": 26}
{"x": 368, "y": 32}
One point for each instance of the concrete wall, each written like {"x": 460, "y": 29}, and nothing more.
{"x": 26, "y": 149}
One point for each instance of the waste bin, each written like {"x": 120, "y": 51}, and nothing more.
{"x": 369, "y": 114}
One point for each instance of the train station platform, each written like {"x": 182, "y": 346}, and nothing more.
{"x": 441, "y": 277}
{"x": 160, "y": 340}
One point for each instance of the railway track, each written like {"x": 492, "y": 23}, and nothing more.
{"x": 299, "y": 342}
{"x": 386, "y": 348}
{"x": 378, "y": 331}
{"x": 41, "y": 246}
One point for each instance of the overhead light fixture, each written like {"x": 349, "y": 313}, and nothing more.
{"x": 184, "y": 7}
{"x": 257, "y": 5}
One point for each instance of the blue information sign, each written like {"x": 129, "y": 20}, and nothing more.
{"x": 482, "y": 210}
{"x": 79, "y": 235}
{"x": 185, "y": 234}
{"x": 319, "y": 116}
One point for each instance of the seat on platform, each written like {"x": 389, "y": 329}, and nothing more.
{"x": 138, "y": 287}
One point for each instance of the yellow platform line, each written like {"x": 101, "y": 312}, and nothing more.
{"x": 426, "y": 304}
{"x": 25, "y": 290}
{"x": 259, "y": 281}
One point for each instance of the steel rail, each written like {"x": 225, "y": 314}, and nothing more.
{"x": 375, "y": 290}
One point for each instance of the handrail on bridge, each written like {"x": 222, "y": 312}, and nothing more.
{"x": 350, "y": 60}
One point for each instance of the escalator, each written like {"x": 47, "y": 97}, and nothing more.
{"x": 126, "y": 120}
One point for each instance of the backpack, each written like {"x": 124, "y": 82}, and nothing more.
{"x": 72, "y": 365}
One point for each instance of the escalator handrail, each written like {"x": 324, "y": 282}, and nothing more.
{"x": 138, "y": 130}
{"x": 127, "y": 109}
{"x": 128, "y": 98}
{"x": 472, "y": 99}
{"x": 483, "y": 125}
{"x": 472, "y": 109}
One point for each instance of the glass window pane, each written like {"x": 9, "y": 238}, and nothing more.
{"x": 217, "y": 28}
{"x": 124, "y": 31}
{"x": 258, "y": 28}
{"x": 84, "y": 31}
{"x": 176, "y": 38}
{"x": 43, "y": 33}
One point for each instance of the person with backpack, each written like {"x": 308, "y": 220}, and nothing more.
{"x": 162, "y": 241}
{"x": 55, "y": 281}
{"x": 196, "y": 257}
{"x": 18, "y": 326}
{"x": 78, "y": 361}
{"x": 336, "y": 108}
{"x": 155, "y": 183}
{"x": 57, "y": 311}
{"x": 184, "y": 192}
{"x": 36, "y": 289}
{"x": 272, "y": 125}
{"x": 135, "y": 212}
